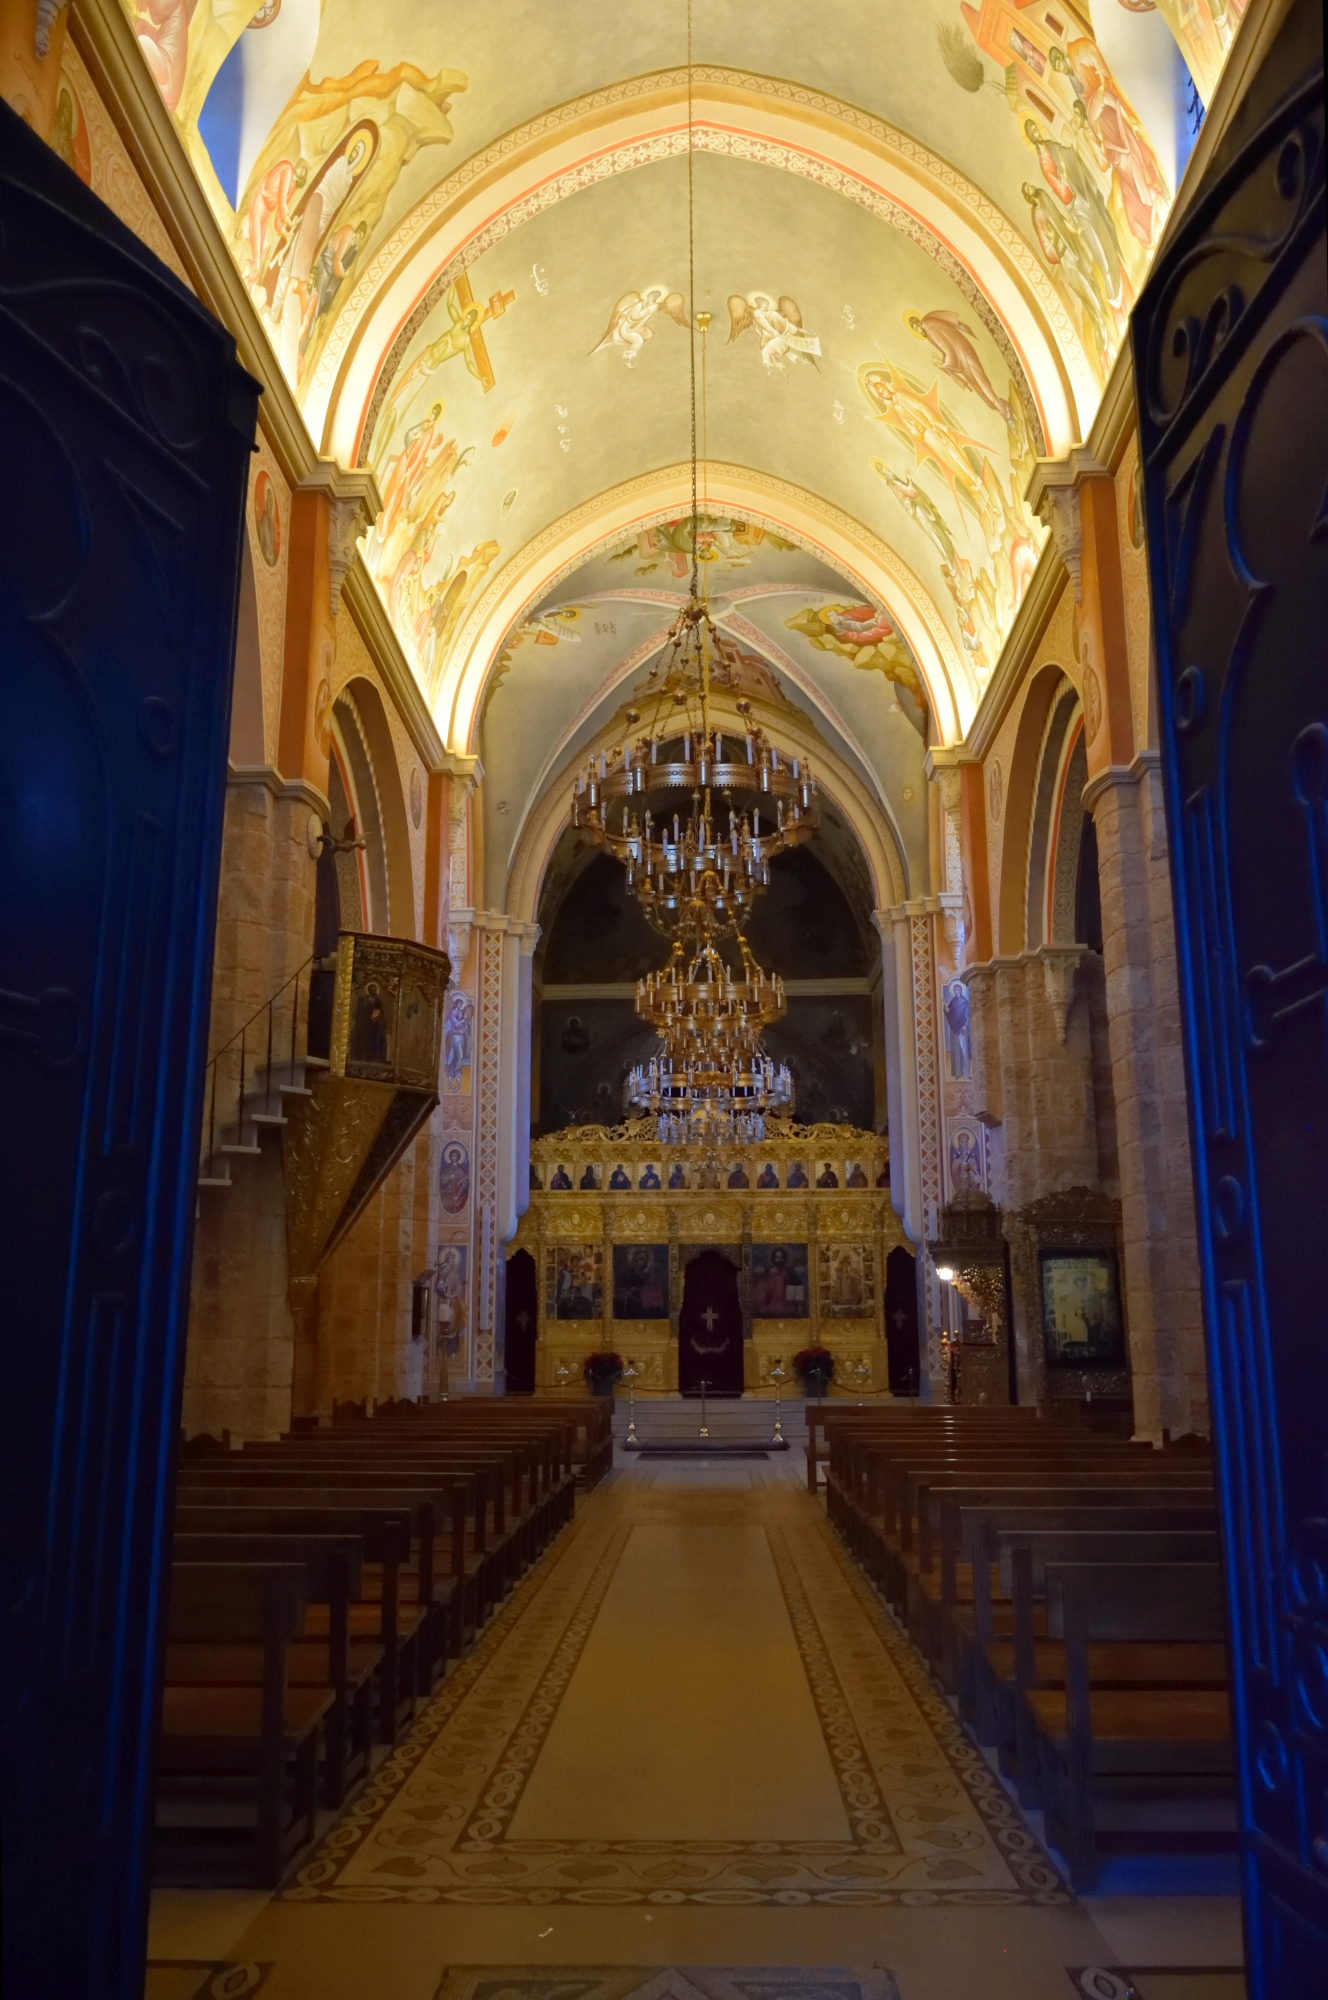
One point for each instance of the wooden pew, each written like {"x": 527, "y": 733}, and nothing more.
{"x": 1031, "y": 1549}
{"x": 455, "y": 1576}
{"x": 219, "y": 1744}
{"x": 1148, "y": 1741}
{"x": 379, "y": 1617}
{"x": 333, "y": 1575}
{"x": 977, "y": 1640}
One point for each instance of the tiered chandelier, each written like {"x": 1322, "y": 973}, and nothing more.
{"x": 695, "y": 870}
{"x": 695, "y": 817}
{"x": 713, "y": 1084}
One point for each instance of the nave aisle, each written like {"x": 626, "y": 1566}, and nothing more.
{"x": 691, "y": 1739}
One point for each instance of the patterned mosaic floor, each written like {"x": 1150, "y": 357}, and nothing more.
{"x": 692, "y": 1759}
{"x": 923, "y": 1820}
{"x": 695, "y": 1982}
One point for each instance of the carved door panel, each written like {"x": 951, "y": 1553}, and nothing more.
{"x": 126, "y": 425}
{"x": 1231, "y": 357}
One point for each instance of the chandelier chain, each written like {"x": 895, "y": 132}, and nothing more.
{"x": 691, "y": 291}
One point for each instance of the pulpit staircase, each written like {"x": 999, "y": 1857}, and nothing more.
{"x": 254, "y": 1077}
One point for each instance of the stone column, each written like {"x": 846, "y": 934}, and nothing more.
{"x": 898, "y": 1070}
{"x": 514, "y": 1107}
{"x": 437, "y": 831}
{"x": 1162, "y": 1296}
{"x": 1161, "y": 1280}
{"x": 916, "y": 1112}
{"x": 328, "y": 510}
{"x": 490, "y": 930}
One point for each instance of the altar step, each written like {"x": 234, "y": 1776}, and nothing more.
{"x": 677, "y": 1420}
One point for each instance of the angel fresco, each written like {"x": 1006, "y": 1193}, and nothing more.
{"x": 864, "y": 635}
{"x": 442, "y": 606}
{"x": 1203, "y": 30}
{"x": 1063, "y": 252}
{"x": 981, "y": 505}
{"x": 953, "y": 344}
{"x": 320, "y": 185}
{"x": 779, "y": 329}
{"x": 161, "y": 29}
{"x": 629, "y": 325}
{"x": 919, "y": 507}
{"x": 925, "y": 428}
{"x": 1073, "y": 186}
{"x": 726, "y": 541}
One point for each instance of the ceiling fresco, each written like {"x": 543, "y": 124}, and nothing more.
{"x": 809, "y": 642}
{"x": 918, "y": 234}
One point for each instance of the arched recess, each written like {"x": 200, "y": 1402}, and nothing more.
{"x": 1064, "y": 859}
{"x": 343, "y": 814}
{"x": 1053, "y": 843}
{"x": 841, "y": 787}
{"x": 1020, "y": 790}
{"x": 248, "y": 744}
{"x": 400, "y": 914}
{"x": 362, "y": 794}
{"x": 827, "y": 531}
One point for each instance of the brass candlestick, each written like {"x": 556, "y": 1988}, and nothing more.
{"x": 631, "y": 1442}
{"x": 704, "y": 1430}
{"x": 778, "y": 1374}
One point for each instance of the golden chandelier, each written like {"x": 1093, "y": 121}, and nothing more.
{"x": 695, "y": 818}
{"x": 713, "y": 1083}
{"x": 695, "y": 867}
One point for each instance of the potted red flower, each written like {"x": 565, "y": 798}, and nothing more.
{"x": 602, "y": 1371}
{"x": 814, "y": 1367}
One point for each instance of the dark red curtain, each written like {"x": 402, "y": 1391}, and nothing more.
{"x": 710, "y": 1328}
{"x": 519, "y": 1322}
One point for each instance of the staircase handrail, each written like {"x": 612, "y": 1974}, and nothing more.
{"x": 266, "y": 1009}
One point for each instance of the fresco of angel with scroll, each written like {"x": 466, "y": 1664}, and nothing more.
{"x": 779, "y": 329}
{"x": 629, "y": 325}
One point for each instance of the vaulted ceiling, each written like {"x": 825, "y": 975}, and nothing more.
{"x": 917, "y": 228}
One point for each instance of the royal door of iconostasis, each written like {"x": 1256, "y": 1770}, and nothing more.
{"x": 1231, "y": 364}
{"x": 710, "y": 1327}
{"x": 128, "y": 426}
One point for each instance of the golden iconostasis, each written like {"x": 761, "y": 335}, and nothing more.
{"x": 804, "y": 1217}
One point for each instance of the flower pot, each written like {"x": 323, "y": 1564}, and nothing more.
{"x": 602, "y": 1385}
{"x": 815, "y": 1382}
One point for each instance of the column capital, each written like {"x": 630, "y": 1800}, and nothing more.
{"x": 1114, "y": 777}
{"x": 354, "y": 504}
{"x": 1060, "y": 962}
{"x": 1053, "y": 495}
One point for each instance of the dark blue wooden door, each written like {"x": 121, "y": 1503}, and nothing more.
{"x": 125, "y": 426}
{"x": 1231, "y": 360}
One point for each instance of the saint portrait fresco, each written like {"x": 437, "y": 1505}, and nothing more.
{"x": 454, "y": 1177}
